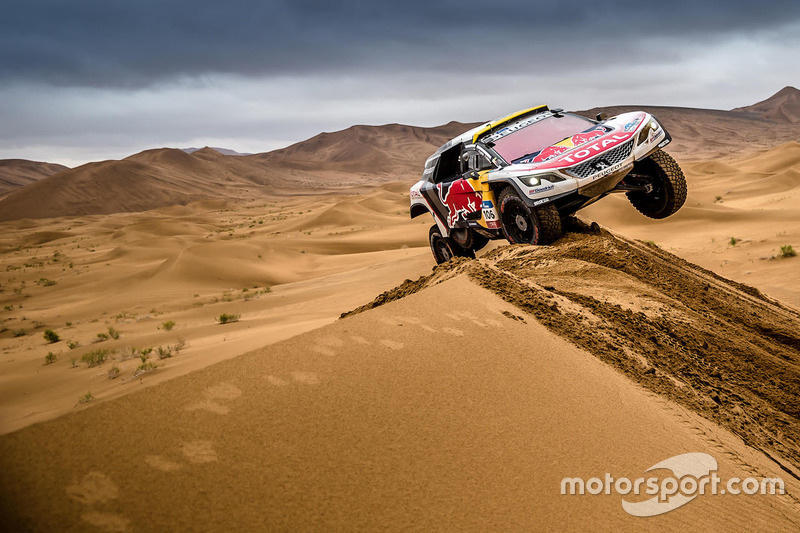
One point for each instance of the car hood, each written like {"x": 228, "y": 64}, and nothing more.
{"x": 584, "y": 145}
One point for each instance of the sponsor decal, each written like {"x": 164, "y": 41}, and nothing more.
{"x": 630, "y": 126}
{"x": 663, "y": 143}
{"x": 583, "y": 138}
{"x": 542, "y": 201}
{"x": 415, "y": 193}
{"x": 487, "y": 204}
{"x": 542, "y": 189}
{"x": 547, "y": 154}
{"x": 460, "y": 199}
{"x": 589, "y": 150}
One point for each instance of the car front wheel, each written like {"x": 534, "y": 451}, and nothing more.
{"x": 525, "y": 225}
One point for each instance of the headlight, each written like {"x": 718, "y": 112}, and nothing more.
{"x": 533, "y": 181}
{"x": 651, "y": 125}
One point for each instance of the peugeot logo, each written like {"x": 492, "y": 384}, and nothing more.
{"x": 600, "y": 164}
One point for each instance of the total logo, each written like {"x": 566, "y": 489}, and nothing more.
{"x": 595, "y": 148}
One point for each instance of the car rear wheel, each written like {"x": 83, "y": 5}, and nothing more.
{"x": 667, "y": 184}
{"x": 445, "y": 248}
{"x": 525, "y": 225}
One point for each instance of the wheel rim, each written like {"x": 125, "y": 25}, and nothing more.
{"x": 443, "y": 250}
{"x": 517, "y": 223}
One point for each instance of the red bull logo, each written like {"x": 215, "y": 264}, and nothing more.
{"x": 583, "y": 138}
{"x": 549, "y": 153}
{"x": 460, "y": 198}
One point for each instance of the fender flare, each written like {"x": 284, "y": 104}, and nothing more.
{"x": 513, "y": 183}
{"x": 418, "y": 209}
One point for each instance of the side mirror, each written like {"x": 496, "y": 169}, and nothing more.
{"x": 602, "y": 116}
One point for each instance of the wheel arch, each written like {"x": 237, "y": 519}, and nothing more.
{"x": 418, "y": 210}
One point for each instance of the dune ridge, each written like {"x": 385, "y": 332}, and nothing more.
{"x": 354, "y": 157}
{"x": 417, "y": 413}
{"x": 783, "y": 106}
{"x": 16, "y": 173}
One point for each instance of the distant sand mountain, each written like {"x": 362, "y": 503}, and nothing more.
{"x": 223, "y": 151}
{"x": 783, "y": 106}
{"x": 161, "y": 177}
{"x": 16, "y": 173}
{"x": 357, "y": 156}
{"x": 379, "y": 149}
{"x": 147, "y": 180}
{"x": 710, "y": 133}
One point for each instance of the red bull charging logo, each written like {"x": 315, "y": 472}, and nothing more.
{"x": 460, "y": 198}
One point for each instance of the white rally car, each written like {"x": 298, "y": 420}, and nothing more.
{"x": 519, "y": 176}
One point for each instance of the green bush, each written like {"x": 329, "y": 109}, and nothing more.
{"x": 226, "y": 318}
{"x": 50, "y": 358}
{"x": 113, "y": 333}
{"x": 113, "y": 372}
{"x": 19, "y": 332}
{"x": 86, "y": 398}
{"x": 164, "y": 353}
{"x": 787, "y": 251}
{"x": 95, "y": 357}
{"x": 51, "y": 336}
{"x": 733, "y": 241}
{"x": 73, "y": 344}
{"x": 168, "y": 325}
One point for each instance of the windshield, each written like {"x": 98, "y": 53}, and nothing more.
{"x": 532, "y": 139}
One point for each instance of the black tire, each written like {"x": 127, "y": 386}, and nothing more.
{"x": 445, "y": 248}
{"x": 669, "y": 186}
{"x": 479, "y": 241}
{"x": 525, "y": 225}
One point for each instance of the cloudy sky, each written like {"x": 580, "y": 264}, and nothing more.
{"x": 102, "y": 79}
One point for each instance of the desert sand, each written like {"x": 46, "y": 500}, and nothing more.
{"x": 457, "y": 399}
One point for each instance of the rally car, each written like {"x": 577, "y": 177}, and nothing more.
{"x": 518, "y": 177}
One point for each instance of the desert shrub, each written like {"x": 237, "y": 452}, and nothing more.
{"x": 146, "y": 366}
{"x": 95, "y": 357}
{"x": 164, "y": 353}
{"x": 787, "y": 251}
{"x": 113, "y": 333}
{"x": 733, "y": 241}
{"x": 168, "y": 325}
{"x": 51, "y": 336}
{"x": 86, "y": 398}
{"x": 101, "y": 337}
{"x": 44, "y": 282}
{"x": 178, "y": 346}
{"x": 19, "y": 332}
{"x": 225, "y": 318}
{"x": 113, "y": 372}
{"x": 50, "y": 358}
{"x": 73, "y": 344}
{"x": 74, "y": 362}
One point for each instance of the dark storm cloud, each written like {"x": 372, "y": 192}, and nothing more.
{"x": 115, "y": 43}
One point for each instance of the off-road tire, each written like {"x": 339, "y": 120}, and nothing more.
{"x": 543, "y": 222}
{"x": 669, "y": 186}
{"x": 445, "y": 248}
{"x": 479, "y": 241}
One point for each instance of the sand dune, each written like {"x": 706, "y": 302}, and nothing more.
{"x": 783, "y": 106}
{"x": 417, "y": 414}
{"x": 188, "y": 264}
{"x": 752, "y": 199}
{"x": 354, "y": 157}
{"x": 16, "y": 173}
{"x": 457, "y": 401}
